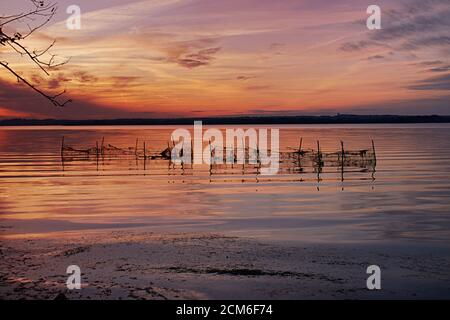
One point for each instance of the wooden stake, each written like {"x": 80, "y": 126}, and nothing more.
{"x": 374, "y": 153}
{"x": 258, "y": 159}
{"x": 145, "y": 159}
{"x": 135, "y": 148}
{"x": 145, "y": 155}
{"x": 192, "y": 152}
{"x": 319, "y": 155}
{"x": 62, "y": 147}
{"x": 244, "y": 152}
{"x": 210, "y": 158}
{"x": 319, "y": 163}
{"x": 342, "y": 160}
{"x": 96, "y": 152}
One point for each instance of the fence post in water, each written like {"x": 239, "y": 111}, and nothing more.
{"x": 192, "y": 153}
{"x": 136, "y": 149}
{"x": 374, "y": 153}
{"x": 62, "y": 153}
{"x": 319, "y": 154}
{"x": 145, "y": 159}
{"x": 258, "y": 159}
{"x": 145, "y": 155}
{"x": 96, "y": 153}
{"x": 103, "y": 142}
{"x": 244, "y": 152}
{"x": 300, "y": 153}
{"x": 342, "y": 160}
{"x": 62, "y": 148}
{"x": 210, "y": 158}
{"x": 319, "y": 163}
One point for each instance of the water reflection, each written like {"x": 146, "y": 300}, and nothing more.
{"x": 409, "y": 199}
{"x": 293, "y": 163}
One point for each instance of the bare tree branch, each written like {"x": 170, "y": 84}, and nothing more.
{"x": 53, "y": 98}
{"x": 42, "y": 12}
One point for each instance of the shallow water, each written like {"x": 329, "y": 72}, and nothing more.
{"x": 406, "y": 198}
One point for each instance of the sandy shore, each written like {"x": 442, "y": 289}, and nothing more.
{"x": 144, "y": 265}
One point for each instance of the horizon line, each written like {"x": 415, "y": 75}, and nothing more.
{"x": 288, "y": 119}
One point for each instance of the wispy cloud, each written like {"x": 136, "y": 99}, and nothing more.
{"x": 184, "y": 56}
{"x": 360, "y": 45}
{"x": 441, "y": 69}
{"x": 376, "y": 57}
{"x": 410, "y": 26}
{"x": 244, "y": 77}
{"x": 441, "y": 82}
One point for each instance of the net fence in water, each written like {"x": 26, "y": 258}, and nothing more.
{"x": 291, "y": 160}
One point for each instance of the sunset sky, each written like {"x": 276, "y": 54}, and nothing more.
{"x": 199, "y": 58}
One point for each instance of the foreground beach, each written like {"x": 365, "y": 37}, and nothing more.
{"x": 137, "y": 264}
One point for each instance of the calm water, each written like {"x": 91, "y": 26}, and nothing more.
{"x": 407, "y": 198}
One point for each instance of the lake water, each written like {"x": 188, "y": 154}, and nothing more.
{"x": 406, "y": 197}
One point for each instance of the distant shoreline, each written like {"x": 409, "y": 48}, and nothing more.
{"x": 250, "y": 120}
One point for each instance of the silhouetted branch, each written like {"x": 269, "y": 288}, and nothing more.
{"x": 53, "y": 98}
{"x": 41, "y": 58}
